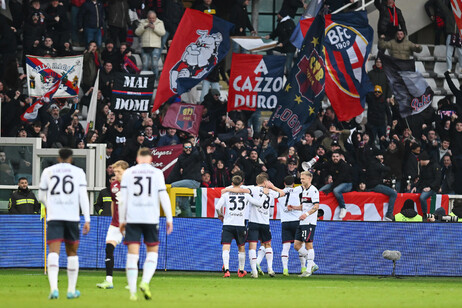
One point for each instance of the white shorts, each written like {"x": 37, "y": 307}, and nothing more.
{"x": 114, "y": 235}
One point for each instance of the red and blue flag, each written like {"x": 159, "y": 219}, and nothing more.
{"x": 200, "y": 43}
{"x": 300, "y": 99}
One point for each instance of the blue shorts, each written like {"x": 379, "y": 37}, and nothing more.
{"x": 305, "y": 233}
{"x": 238, "y": 233}
{"x": 259, "y": 232}
{"x": 289, "y": 229}
{"x": 62, "y": 230}
{"x": 150, "y": 234}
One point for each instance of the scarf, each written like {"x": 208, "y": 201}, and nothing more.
{"x": 96, "y": 59}
{"x": 393, "y": 16}
{"x": 128, "y": 62}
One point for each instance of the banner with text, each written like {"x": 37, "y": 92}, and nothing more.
{"x": 132, "y": 92}
{"x": 368, "y": 206}
{"x": 255, "y": 81}
{"x": 185, "y": 117}
{"x": 44, "y": 72}
{"x": 164, "y": 158}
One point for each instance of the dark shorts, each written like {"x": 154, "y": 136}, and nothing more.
{"x": 238, "y": 233}
{"x": 289, "y": 229}
{"x": 305, "y": 233}
{"x": 61, "y": 230}
{"x": 150, "y": 234}
{"x": 258, "y": 232}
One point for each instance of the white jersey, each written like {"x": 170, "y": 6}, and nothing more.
{"x": 308, "y": 198}
{"x": 261, "y": 214}
{"x": 291, "y": 198}
{"x": 63, "y": 190}
{"x": 139, "y": 191}
{"x": 234, "y": 207}
{"x": 247, "y": 207}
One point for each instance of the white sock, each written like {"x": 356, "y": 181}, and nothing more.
{"x": 132, "y": 271}
{"x": 253, "y": 260}
{"x": 53, "y": 270}
{"x": 261, "y": 254}
{"x": 285, "y": 255}
{"x": 225, "y": 256}
{"x": 241, "y": 260}
{"x": 72, "y": 273}
{"x": 149, "y": 267}
{"x": 269, "y": 259}
{"x": 303, "y": 252}
{"x": 109, "y": 279}
{"x": 310, "y": 259}
{"x": 302, "y": 260}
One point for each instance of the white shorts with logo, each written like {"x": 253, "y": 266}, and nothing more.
{"x": 114, "y": 235}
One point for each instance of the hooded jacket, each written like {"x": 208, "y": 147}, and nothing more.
{"x": 23, "y": 201}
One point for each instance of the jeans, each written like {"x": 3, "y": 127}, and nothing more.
{"x": 93, "y": 34}
{"x": 76, "y": 35}
{"x": 182, "y": 202}
{"x": 164, "y": 40}
{"x": 151, "y": 58}
{"x": 206, "y": 85}
{"x": 338, "y": 191}
{"x": 390, "y": 192}
{"x": 449, "y": 51}
{"x": 289, "y": 61}
{"x": 255, "y": 121}
{"x": 424, "y": 195}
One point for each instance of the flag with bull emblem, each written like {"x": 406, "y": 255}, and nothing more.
{"x": 300, "y": 99}
{"x": 200, "y": 43}
{"x": 184, "y": 117}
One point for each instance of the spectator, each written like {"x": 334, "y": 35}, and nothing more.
{"x": 341, "y": 176}
{"x": 283, "y": 32}
{"x": 23, "y": 201}
{"x": 149, "y": 139}
{"x": 205, "y": 180}
{"x": 266, "y": 149}
{"x": 106, "y": 79}
{"x": 240, "y": 18}
{"x": 91, "y": 64}
{"x": 437, "y": 17}
{"x": 205, "y": 6}
{"x": 400, "y": 47}
{"x": 340, "y": 136}
{"x": 77, "y": 38}
{"x": 377, "y": 77}
{"x": 292, "y": 169}
{"x": 211, "y": 84}
{"x": 6, "y": 170}
{"x": 306, "y": 148}
{"x": 47, "y": 49}
{"x": 151, "y": 31}
{"x": 411, "y": 166}
{"x": 173, "y": 13}
{"x": 129, "y": 62}
{"x": 221, "y": 177}
{"x": 252, "y": 166}
{"x": 169, "y": 139}
{"x": 66, "y": 50}
{"x": 239, "y": 132}
{"x": 393, "y": 158}
{"x": 291, "y": 6}
{"x": 103, "y": 203}
{"x": 329, "y": 118}
{"x": 131, "y": 148}
{"x": 378, "y": 113}
{"x": 91, "y": 21}
{"x": 447, "y": 176}
{"x": 8, "y": 43}
{"x": 375, "y": 179}
{"x": 408, "y": 213}
{"x": 187, "y": 171}
{"x": 428, "y": 182}
{"x": 110, "y": 54}
{"x": 117, "y": 20}
{"x": 390, "y": 19}
{"x": 444, "y": 150}
{"x": 33, "y": 34}
{"x": 58, "y": 26}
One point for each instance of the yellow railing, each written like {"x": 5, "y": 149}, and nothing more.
{"x": 174, "y": 192}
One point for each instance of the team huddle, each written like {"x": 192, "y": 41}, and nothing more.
{"x": 240, "y": 204}
{"x": 137, "y": 194}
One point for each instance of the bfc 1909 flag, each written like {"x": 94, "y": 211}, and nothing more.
{"x": 347, "y": 42}
{"x": 411, "y": 91}
{"x": 200, "y": 42}
{"x": 132, "y": 92}
{"x": 184, "y": 117}
{"x": 44, "y": 72}
{"x": 299, "y": 100}
{"x": 255, "y": 81}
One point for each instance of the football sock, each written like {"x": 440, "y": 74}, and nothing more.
{"x": 150, "y": 265}
{"x": 269, "y": 259}
{"x": 132, "y": 271}
{"x": 285, "y": 255}
{"x": 72, "y": 273}
{"x": 261, "y": 254}
{"x": 109, "y": 261}
{"x": 302, "y": 261}
{"x": 225, "y": 256}
{"x": 303, "y": 252}
{"x": 253, "y": 260}
{"x": 53, "y": 270}
{"x": 241, "y": 260}
{"x": 310, "y": 259}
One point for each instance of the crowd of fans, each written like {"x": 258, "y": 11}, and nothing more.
{"x": 383, "y": 152}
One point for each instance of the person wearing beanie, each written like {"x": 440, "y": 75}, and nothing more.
{"x": 408, "y": 213}
{"x": 23, "y": 201}
{"x": 378, "y": 113}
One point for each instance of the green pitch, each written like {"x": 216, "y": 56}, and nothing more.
{"x": 29, "y": 288}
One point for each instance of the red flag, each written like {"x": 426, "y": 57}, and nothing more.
{"x": 31, "y": 113}
{"x": 457, "y": 11}
{"x": 184, "y": 117}
{"x": 166, "y": 157}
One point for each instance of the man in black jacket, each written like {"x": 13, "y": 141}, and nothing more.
{"x": 378, "y": 113}
{"x": 390, "y": 19}
{"x": 341, "y": 175}
{"x": 429, "y": 180}
{"x": 23, "y": 200}
{"x": 188, "y": 170}
{"x": 375, "y": 176}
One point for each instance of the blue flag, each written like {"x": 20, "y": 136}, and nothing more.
{"x": 300, "y": 99}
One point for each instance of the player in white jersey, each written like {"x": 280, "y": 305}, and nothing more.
{"x": 142, "y": 188}
{"x": 305, "y": 232}
{"x": 289, "y": 223}
{"x": 113, "y": 236}
{"x": 231, "y": 208}
{"x": 63, "y": 191}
